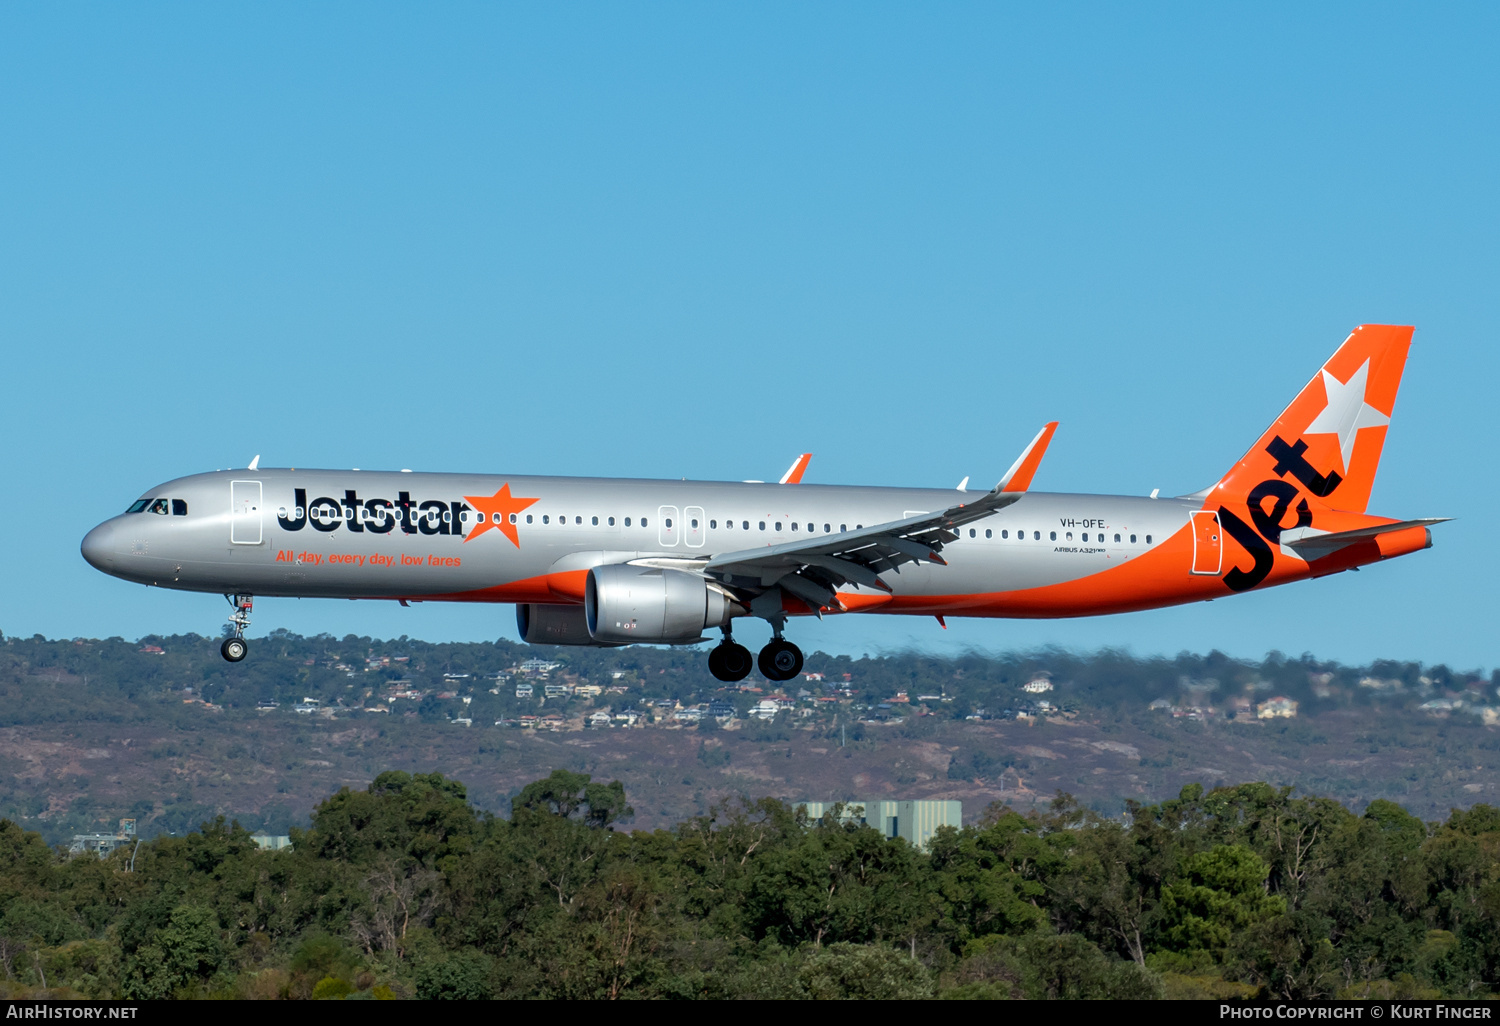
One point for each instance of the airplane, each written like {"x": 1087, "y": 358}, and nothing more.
{"x": 609, "y": 562}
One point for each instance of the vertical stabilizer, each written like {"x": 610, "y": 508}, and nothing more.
{"x": 1328, "y": 441}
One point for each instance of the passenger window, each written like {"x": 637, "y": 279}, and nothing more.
{"x": 1117, "y": 539}
{"x": 1005, "y": 534}
{"x": 693, "y": 523}
{"x": 611, "y": 521}
{"x": 827, "y": 528}
{"x": 1132, "y": 539}
{"x": 447, "y": 517}
{"x": 762, "y": 525}
{"x": 713, "y": 525}
{"x": 528, "y": 518}
{"x": 594, "y": 521}
{"x": 669, "y": 523}
{"x": 1054, "y": 535}
{"x": 745, "y": 525}
{"x": 179, "y": 508}
{"x": 778, "y": 525}
{"x": 973, "y": 533}
{"x": 1069, "y": 538}
{"x": 811, "y": 528}
{"x": 512, "y": 518}
{"x": 138, "y": 505}
{"x": 794, "y": 526}
{"x": 988, "y": 533}
{"x": 545, "y": 519}
{"x": 627, "y": 521}
{"x": 643, "y": 522}
{"x": 159, "y": 507}
{"x": 843, "y": 528}
{"x": 1148, "y": 539}
{"x": 859, "y": 527}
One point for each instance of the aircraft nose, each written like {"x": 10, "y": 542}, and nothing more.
{"x": 99, "y": 546}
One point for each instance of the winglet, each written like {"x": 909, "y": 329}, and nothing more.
{"x": 1018, "y": 477}
{"x": 794, "y": 473}
{"x": 255, "y": 463}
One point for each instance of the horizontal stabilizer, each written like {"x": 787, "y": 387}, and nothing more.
{"x": 1309, "y": 543}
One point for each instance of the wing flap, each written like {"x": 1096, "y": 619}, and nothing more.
{"x": 812, "y": 569}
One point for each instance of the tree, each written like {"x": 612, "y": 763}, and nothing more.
{"x": 567, "y": 794}
{"x": 870, "y": 972}
{"x": 1220, "y": 893}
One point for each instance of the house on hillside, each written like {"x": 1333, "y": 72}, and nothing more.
{"x": 1276, "y": 708}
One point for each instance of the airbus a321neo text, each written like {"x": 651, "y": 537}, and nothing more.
{"x": 599, "y": 561}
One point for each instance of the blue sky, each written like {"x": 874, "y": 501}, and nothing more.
{"x": 696, "y": 240}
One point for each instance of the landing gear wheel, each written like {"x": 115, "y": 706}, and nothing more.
{"x": 780, "y": 660}
{"x": 234, "y": 649}
{"x": 730, "y": 661}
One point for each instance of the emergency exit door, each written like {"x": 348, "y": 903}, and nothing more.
{"x": 1208, "y": 553}
{"x": 244, "y": 512}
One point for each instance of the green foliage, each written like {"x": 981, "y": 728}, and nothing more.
{"x": 566, "y": 795}
{"x": 404, "y": 889}
{"x": 863, "y": 972}
{"x": 460, "y": 976}
{"x": 1046, "y": 965}
{"x": 1221, "y": 893}
{"x": 331, "y": 988}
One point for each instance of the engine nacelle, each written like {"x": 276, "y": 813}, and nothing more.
{"x": 546, "y": 624}
{"x": 648, "y": 605}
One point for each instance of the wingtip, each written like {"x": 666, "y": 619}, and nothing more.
{"x": 1018, "y": 478}
{"x": 794, "y": 473}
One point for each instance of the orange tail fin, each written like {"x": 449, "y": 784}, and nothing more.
{"x": 1330, "y": 438}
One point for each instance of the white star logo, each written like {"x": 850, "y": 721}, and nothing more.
{"x": 1346, "y": 411}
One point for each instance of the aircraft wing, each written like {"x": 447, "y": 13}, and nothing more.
{"x": 814, "y": 568}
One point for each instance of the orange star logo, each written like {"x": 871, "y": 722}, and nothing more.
{"x": 496, "y": 511}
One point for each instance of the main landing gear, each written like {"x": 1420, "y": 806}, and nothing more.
{"x": 730, "y": 661}
{"x": 779, "y": 660}
{"x": 235, "y": 647}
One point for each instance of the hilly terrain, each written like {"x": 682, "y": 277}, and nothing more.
{"x": 165, "y": 732}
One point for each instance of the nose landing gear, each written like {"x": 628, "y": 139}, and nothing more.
{"x": 729, "y": 661}
{"x": 235, "y": 648}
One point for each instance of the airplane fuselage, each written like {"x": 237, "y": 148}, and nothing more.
{"x": 414, "y": 536}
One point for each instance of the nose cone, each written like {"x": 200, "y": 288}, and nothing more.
{"x": 99, "y": 547}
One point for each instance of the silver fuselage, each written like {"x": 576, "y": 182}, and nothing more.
{"x": 382, "y": 535}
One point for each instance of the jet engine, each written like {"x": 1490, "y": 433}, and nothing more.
{"x": 639, "y": 604}
{"x": 546, "y": 624}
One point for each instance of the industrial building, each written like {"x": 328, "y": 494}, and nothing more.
{"x": 102, "y": 844}
{"x": 915, "y": 821}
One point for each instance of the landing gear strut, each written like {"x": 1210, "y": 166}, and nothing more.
{"x": 728, "y": 660}
{"x": 780, "y": 659}
{"x": 235, "y": 647}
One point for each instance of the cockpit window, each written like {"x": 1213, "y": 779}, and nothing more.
{"x": 179, "y": 507}
{"x": 138, "y": 505}
{"x": 159, "y": 507}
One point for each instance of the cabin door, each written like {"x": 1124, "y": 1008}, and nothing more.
{"x": 1208, "y": 553}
